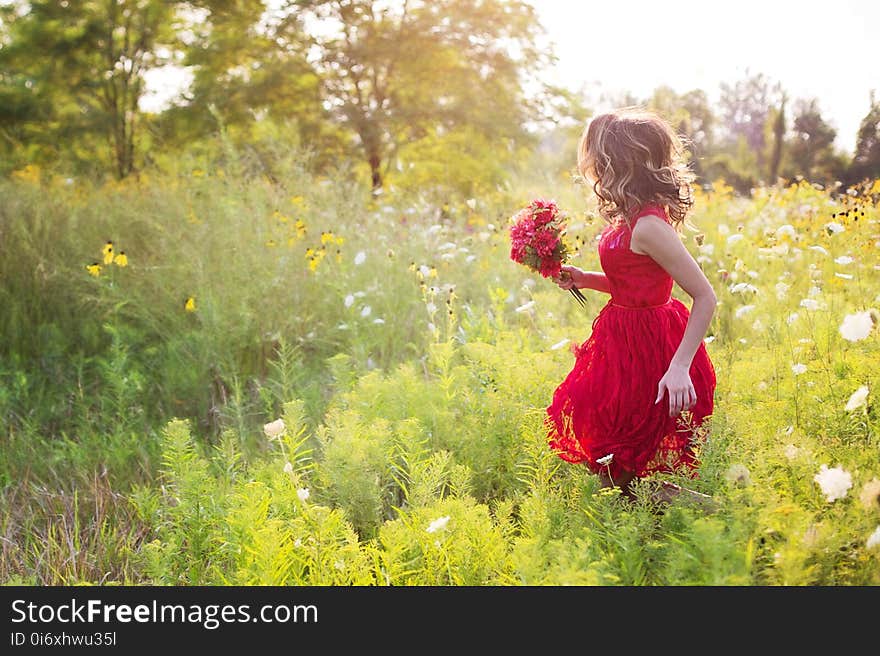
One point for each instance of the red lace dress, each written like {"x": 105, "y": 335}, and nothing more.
{"x": 606, "y": 403}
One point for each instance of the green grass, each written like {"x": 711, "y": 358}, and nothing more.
{"x": 411, "y": 370}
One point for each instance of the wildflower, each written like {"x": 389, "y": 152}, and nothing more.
{"x": 605, "y": 460}
{"x": 870, "y": 495}
{"x": 798, "y": 369}
{"x": 791, "y": 318}
{"x": 108, "y": 252}
{"x": 739, "y": 475}
{"x": 733, "y": 239}
{"x": 856, "y": 326}
{"x": 810, "y": 304}
{"x": 792, "y": 452}
{"x": 365, "y": 312}
{"x": 834, "y": 482}
{"x": 121, "y": 260}
{"x": 858, "y": 399}
{"x": 438, "y": 524}
{"x": 94, "y": 269}
{"x": 288, "y": 468}
{"x": 843, "y": 259}
{"x": 525, "y": 307}
{"x": 360, "y": 257}
{"x": 349, "y": 300}
{"x": 274, "y": 429}
{"x": 845, "y": 276}
{"x": 744, "y": 310}
{"x": 781, "y": 290}
{"x": 326, "y": 237}
{"x": 833, "y": 227}
{"x": 190, "y": 304}
{"x": 785, "y": 231}
{"x": 558, "y": 345}
{"x": 873, "y": 539}
{"x": 303, "y": 493}
{"x": 742, "y": 288}
{"x": 819, "y": 249}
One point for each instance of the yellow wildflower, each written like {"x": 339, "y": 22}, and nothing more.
{"x": 190, "y": 304}
{"x": 326, "y": 237}
{"x": 300, "y": 228}
{"x": 297, "y": 200}
{"x": 108, "y": 252}
{"x": 271, "y": 243}
{"x": 339, "y": 240}
{"x": 121, "y": 260}
{"x": 94, "y": 269}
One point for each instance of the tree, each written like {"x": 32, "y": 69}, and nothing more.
{"x": 811, "y": 145}
{"x": 79, "y": 66}
{"x": 777, "y": 121}
{"x": 866, "y": 161}
{"x": 692, "y": 116}
{"x": 402, "y": 71}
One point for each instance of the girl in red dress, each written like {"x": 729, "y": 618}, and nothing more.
{"x": 642, "y": 383}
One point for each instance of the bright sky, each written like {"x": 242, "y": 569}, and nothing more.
{"x": 827, "y": 50}
{"x": 821, "y": 49}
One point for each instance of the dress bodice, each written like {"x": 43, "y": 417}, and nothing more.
{"x": 636, "y": 280}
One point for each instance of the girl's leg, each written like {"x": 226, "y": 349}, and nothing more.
{"x": 622, "y": 480}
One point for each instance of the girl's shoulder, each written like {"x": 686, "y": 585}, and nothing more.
{"x": 654, "y": 209}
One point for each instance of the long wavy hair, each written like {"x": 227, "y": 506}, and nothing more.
{"x": 633, "y": 157}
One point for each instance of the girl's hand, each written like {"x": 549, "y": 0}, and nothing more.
{"x": 570, "y": 276}
{"x": 677, "y": 382}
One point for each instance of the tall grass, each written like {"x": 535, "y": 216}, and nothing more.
{"x": 410, "y": 361}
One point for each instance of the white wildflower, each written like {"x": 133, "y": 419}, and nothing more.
{"x": 424, "y": 269}
{"x": 605, "y": 460}
{"x": 782, "y": 290}
{"x": 274, "y": 429}
{"x": 742, "y": 311}
{"x": 742, "y": 288}
{"x": 856, "y": 326}
{"x": 470, "y": 258}
{"x": 792, "y": 452}
{"x": 843, "y": 259}
{"x": 873, "y": 539}
{"x": 845, "y": 276}
{"x": 525, "y": 307}
{"x": 365, "y": 312}
{"x": 798, "y": 369}
{"x": 785, "y": 230}
{"x": 360, "y": 258}
{"x": 558, "y": 345}
{"x": 859, "y": 399}
{"x": 379, "y": 320}
{"x": 349, "y": 300}
{"x": 434, "y": 229}
{"x": 529, "y": 283}
{"x": 739, "y": 475}
{"x": 709, "y": 339}
{"x": 810, "y": 304}
{"x": 431, "y": 307}
{"x": 792, "y": 318}
{"x": 834, "y": 227}
{"x": 723, "y": 229}
{"x": 288, "y": 468}
{"x": 471, "y": 203}
{"x": 303, "y": 493}
{"x": 834, "y": 482}
{"x": 733, "y": 239}
{"x": 438, "y": 524}
{"x": 819, "y": 249}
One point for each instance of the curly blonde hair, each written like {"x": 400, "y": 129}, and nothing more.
{"x": 634, "y": 157}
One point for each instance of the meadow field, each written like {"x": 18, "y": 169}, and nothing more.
{"x": 210, "y": 377}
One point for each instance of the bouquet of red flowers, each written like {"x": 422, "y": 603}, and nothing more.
{"x": 536, "y": 237}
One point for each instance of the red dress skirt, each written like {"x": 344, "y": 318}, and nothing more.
{"x": 606, "y": 405}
